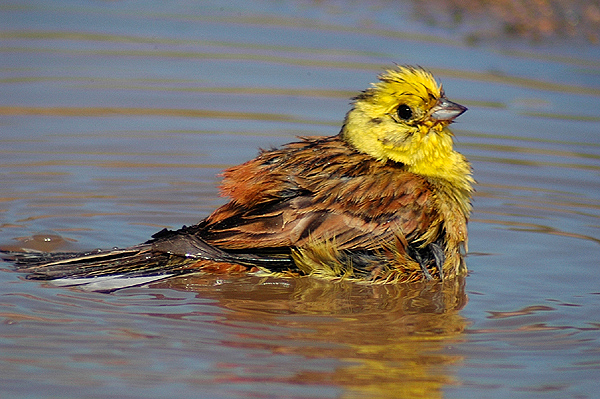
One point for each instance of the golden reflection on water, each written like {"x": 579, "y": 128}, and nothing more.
{"x": 390, "y": 338}
{"x": 170, "y": 112}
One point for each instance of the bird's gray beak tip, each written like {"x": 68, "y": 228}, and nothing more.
{"x": 446, "y": 110}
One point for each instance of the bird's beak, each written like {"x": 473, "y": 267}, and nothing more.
{"x": 446, "y": 110}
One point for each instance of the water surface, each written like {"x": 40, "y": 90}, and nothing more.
{"x": 117, "y": 117}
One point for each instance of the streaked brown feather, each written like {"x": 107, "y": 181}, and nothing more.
{"x": 347, "y": 198}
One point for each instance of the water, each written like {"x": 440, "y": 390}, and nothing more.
{"x": 116, "y": 118}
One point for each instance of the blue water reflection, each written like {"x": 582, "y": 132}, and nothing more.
{"x": 117, "y": 117}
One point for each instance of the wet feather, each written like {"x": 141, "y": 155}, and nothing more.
{"x": 385, "y": 200}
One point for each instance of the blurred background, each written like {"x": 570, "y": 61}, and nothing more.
{"x": 116, "y": 118}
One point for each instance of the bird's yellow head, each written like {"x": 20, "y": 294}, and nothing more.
{"x": 404, "y": 118}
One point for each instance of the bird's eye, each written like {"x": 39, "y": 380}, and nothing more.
{"x": 404, "y": 112}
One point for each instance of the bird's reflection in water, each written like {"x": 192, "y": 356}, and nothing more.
{"x": 389, "y": 339}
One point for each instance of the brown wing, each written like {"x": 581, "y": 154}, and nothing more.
{"x": 320, "y": 189}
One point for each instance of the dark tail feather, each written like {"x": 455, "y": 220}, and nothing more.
{"x": 168, "y": 255}
{"x": 133, "y": 261}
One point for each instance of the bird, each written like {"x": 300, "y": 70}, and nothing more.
{"x": 386, "y": 200}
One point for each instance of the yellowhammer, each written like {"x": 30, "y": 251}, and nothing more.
{"x": 385, "y": 200}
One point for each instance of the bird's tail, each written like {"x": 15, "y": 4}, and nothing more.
{"x": 170, "y": 253}
{"x": 49, "y": 266}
